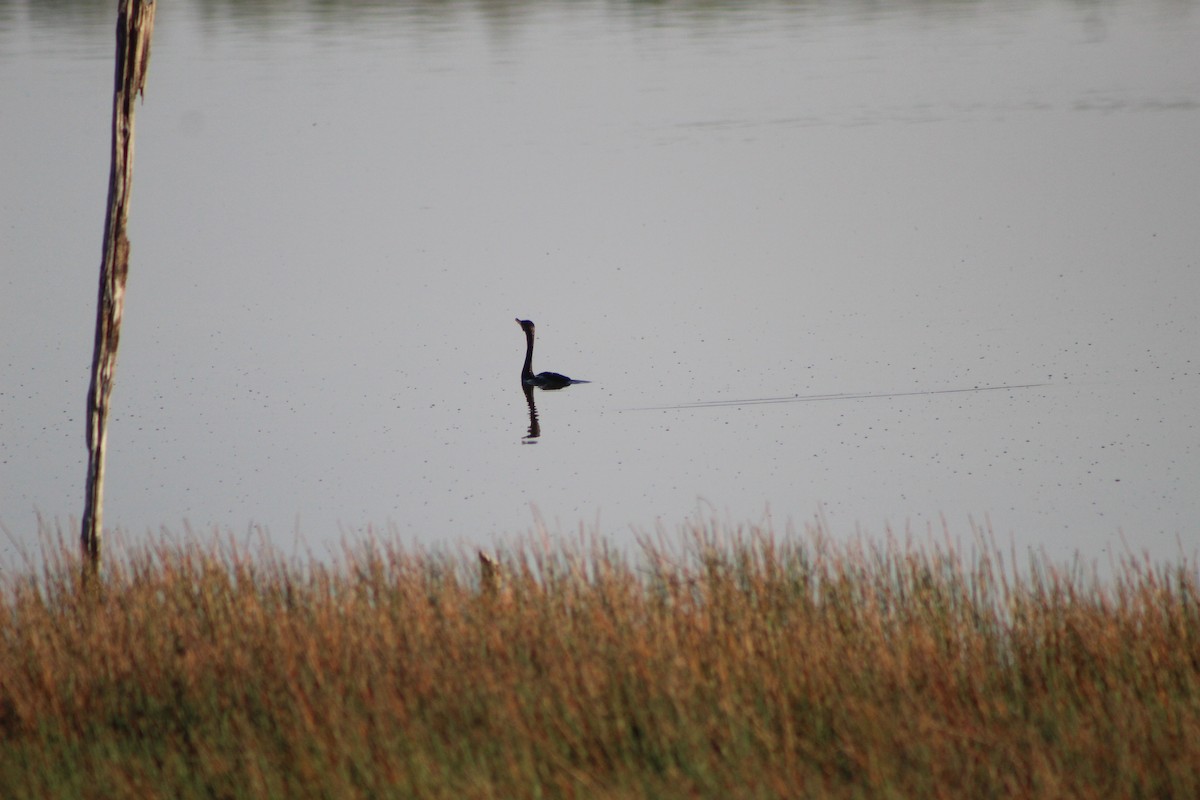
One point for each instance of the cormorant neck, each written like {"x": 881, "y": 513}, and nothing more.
{"x": 527, "y": 370}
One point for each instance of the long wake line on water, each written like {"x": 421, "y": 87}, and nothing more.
{"x": 812, "y": 398}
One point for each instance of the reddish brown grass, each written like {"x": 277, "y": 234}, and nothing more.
{"x": 716, "y": 665}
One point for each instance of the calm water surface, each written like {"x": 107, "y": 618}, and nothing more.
{"x": 796, "y": 247}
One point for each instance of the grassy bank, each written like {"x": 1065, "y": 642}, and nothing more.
{"x": 738, "y": 665}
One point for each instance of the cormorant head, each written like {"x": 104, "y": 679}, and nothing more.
{"x": 526, "y": 325}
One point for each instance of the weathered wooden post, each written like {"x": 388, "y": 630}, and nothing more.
{"x": 135, "y": 24}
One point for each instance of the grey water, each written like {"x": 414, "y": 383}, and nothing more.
{"x": 897, "y": 264}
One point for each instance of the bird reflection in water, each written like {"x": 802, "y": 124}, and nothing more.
{"x": 548, "y": 381}
{"x": 535, "y": 427}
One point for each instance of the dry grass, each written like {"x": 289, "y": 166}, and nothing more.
{"x": 720, "y": 665}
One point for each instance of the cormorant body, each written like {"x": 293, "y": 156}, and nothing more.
{"x": 542, "y": 380}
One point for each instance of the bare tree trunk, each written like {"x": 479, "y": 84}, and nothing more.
{"x": 135, "y": 24}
